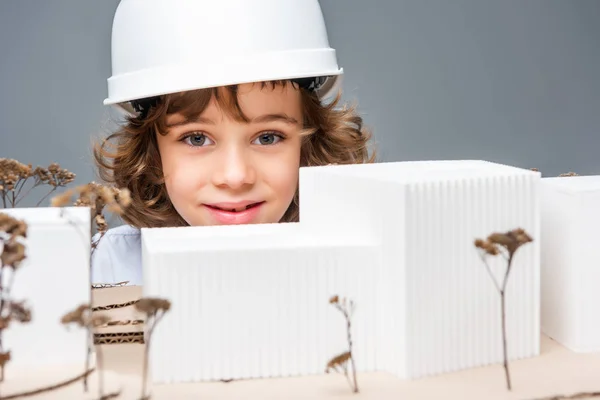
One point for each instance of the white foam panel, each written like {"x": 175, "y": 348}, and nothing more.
{"x": 570, "y": 260}
{"x": 53, "y": 280}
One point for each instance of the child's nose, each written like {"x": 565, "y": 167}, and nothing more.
{"x": 234, "y": 170}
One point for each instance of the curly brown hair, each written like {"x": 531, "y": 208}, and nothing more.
{"x": 129, "y": 158}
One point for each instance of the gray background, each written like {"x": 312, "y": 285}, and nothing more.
{"x": 512, "y": 81}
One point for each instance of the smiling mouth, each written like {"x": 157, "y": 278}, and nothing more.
{"x": 237, "y": 209}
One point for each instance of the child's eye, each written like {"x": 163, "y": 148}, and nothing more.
{"x": 268, "y": 138}
{"x": 195, "y": 139}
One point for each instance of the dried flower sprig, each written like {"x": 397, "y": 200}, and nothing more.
{"x": 14, "y": 175}
{"x": 13, "y": 232}
{"x": 567, "y": 174}
{"x": 505, "y": 244}
{"x": 154, "y": 309}
{"x": 83, "y": 317}
{"x": 340, "y": 362}
{"x": 98, "y": 198}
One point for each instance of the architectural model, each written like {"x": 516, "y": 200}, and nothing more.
{"x": 252, "y": 301}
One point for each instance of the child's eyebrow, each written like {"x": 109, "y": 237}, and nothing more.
{"x": 257, "y": 120}
{"x": 275, "y": 117}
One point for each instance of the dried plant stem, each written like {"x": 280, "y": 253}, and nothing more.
{"x": 349, "y": 330}
{"x": 48, "y": 388}
{"x": 99, "y": 365}
{"x": 88, "y": 355}
{"x": 582, "y": 395}
{"x": 155, "y": 319}
{"x": 95, "y": 245}
{"x": 46, "y": 196}
{"x": 339, "y": 363}
{"x": 502, "y": 292}
{"x": 145, "y": 369}
{"x": 504, "y": 346}
{"x": 89, "y": 339}
{"x": 16, "y": 198}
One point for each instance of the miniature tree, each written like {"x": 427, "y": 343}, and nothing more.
{"x": 505, "y": 244}
{"x": 98, "y": 198}
{"x": 83, "y": 317}
{"x": 340, "y": 362}
{"x": 154, "y": 309}
{"x": 15, "y": 176}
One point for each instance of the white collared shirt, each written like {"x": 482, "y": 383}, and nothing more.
{"x": 118, "y": 257}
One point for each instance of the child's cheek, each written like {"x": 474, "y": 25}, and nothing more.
{"x": 182, "y": 178}
{"x": 282, "y": 175}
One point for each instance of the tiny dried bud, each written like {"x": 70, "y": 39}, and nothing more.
{"x": 76, "y": 316}
{"x": 501, "y": 238}
{"x": 53, "y": 168}
{"x": 101, "y": 223}
{"x": 151, "y": 305}
{"x": 334, "y": 299}
{"x": 12, "y": 254}
{"x": 125, "y": 198}
{"x": 4, "y": 322}
{"x": 510, "y": 240}
{"x": 62, "y": 199}
{"x": 99, "y": 320}
{"x": 12, "y": 226}
{"x": 20, "y": 312}
{"x": 487, "y": 246}
{"x": 338, "y": 361}
{"x": 4, "y": 358}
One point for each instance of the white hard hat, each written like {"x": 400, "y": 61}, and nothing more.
{"x": 169, "y": 46}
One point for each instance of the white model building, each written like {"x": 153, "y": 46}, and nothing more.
{"x": 54, "y": 279}
{"x": 571, "y": 261}
{"x": 253, "y": 301}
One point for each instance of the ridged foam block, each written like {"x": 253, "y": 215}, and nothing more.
{"x": 53, "y": 280}
{"x": 571, "y": 261}
{"x": 252, "y": 301}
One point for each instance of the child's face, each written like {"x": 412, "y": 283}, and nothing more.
{"x": 216, "y": 167}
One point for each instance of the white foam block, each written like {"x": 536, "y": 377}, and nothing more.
{"x": 53, "y": 280}
{"x": 255, "y": 304}
{"x": 442, "y": 312}
{"x": 570, "y": 260}
{"x": 251, "y": 301}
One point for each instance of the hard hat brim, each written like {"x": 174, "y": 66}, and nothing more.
{"x": 172, "y": 78}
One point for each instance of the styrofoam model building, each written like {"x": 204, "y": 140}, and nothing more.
{"x": 53, "y": 280}
{"x": 252, "y": 301}
{"x": 571, "y": 261}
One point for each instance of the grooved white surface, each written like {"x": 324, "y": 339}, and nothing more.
{"x": 570, "y": 261}
{"x": 53, "y": 280}
{"x": 252, "y": 301}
